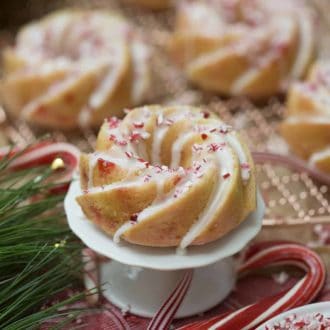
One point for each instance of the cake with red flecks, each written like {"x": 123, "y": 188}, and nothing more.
{"x": 306, "y": 127}
{"x": 167, "y": 176}
{"x": 73, "y": 68}
{"x": 243, "y": 47}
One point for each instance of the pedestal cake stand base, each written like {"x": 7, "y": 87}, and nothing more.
{"x": 139, "y": 278}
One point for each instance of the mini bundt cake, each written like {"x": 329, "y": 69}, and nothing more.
{"x": 75, "y": 68}
{"x": 243, "y": 47}
{"x": 167, "y": 176}
{"x": 307, "y": 124}
{"x": 152, "y": 4}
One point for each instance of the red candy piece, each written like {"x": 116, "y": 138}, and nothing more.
{"x": 105, "y": 166}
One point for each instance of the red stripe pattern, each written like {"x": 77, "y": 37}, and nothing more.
{"x": 166, "y": 313}
{"x": 269, "y": 254}
{"x": 44, "y": 153}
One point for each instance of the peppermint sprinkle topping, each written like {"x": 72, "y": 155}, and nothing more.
{"x": 316, "y": 321}
{"x": 245, "y": 166}
{"x": 105, "y": 166}
{"x": 204, "y": 136}
{"x": 113, "y": 138}
{"x": 134, "y": 137}
{"x": 134, "y": 217}
{"x": 141, "y": 160}
{"x": 121, "y": 142}
{"x": 206, "y": 114}
{"x": 139, "y": 124}
{"x": 197, "y": 147}
{"x": 225, "y": 129}
{"x": 213, "y": 147}
{"x": 113, "y": 122}
{"x": 226, "y": 175}
{"x": 147, "y": 178}
{"x": 128, "y": 154}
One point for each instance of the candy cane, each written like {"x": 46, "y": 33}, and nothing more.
{"x": 270, "y": 254}
{"x": 166, "y": 313}
{"x": 43, "y": 153}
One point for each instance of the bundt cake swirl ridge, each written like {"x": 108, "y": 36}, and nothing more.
{"x": 75, "y": 67}
{"x": 167, "y": 176}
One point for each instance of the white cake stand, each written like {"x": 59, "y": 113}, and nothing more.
{"x": 139, "y": 278}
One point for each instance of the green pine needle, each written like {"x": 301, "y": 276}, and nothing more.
{"x": 39, "y": 255}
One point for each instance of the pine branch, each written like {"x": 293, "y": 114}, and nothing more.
{"x": 39, "y": 255}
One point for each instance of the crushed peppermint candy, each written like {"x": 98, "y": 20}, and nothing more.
{"x": 121, "y": 142}
{"x": 139, "y": 124}
{"x": 129, "y": 154}
{"x": 197, "y": 147}
{"x": 118, "y": 142}
{"x": 134, "y": 217}
{"x": 127, "y": 111}
{"x": 146, "y": 163}
{"x": 147, "y": 178}
{"x": 134, "y": 137}
{"x": 183, "y": 189}
{"x": 113, "y": 122}
{"x": 204, "y": 136}
{"x": 245, "y": 166}
{"x": 213, "y": 147}
{"x": 316, "y": 321}
{"x": 105, "y": 166}
{"x": 225, "y": 129}
{"x": 226, "y": 175}
{"x": 206, "y": 114}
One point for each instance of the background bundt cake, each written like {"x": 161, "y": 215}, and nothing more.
{"x": 75, "y": 68}
{"x": 243, "y": 47}
{"x": 167, "y": 176}
{"x": 307, "y": 126}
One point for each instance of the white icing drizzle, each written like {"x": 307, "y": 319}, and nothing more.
{"x": 178, "y": 146}
{"x": 121, "y": 230}
{"x": 218, "y": 197}
{"x": 237, "y": 147}
{"x": 219, "y": 148}
{"x": 140, "y": 55}
{"x": 306, "y": 45}
{"x": 157, "y": 141}
{"x": 85, "y": 40}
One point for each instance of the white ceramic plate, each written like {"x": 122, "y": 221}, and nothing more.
{"x": 322, "y": 307}
{"x": 159, "y": 258}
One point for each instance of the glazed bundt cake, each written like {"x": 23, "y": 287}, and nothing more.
{"x": 153, "y": 4}
{"x": 167, "y": 176}
{"x": 307, "y": 124}
{"x": 75, "y": 68}
{"x": 243, "y": 47}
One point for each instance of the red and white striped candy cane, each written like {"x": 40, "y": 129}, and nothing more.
{"x": 264, "y": 255}
{"x": 166, "y": 313}
{"x": 43, "y": 153}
